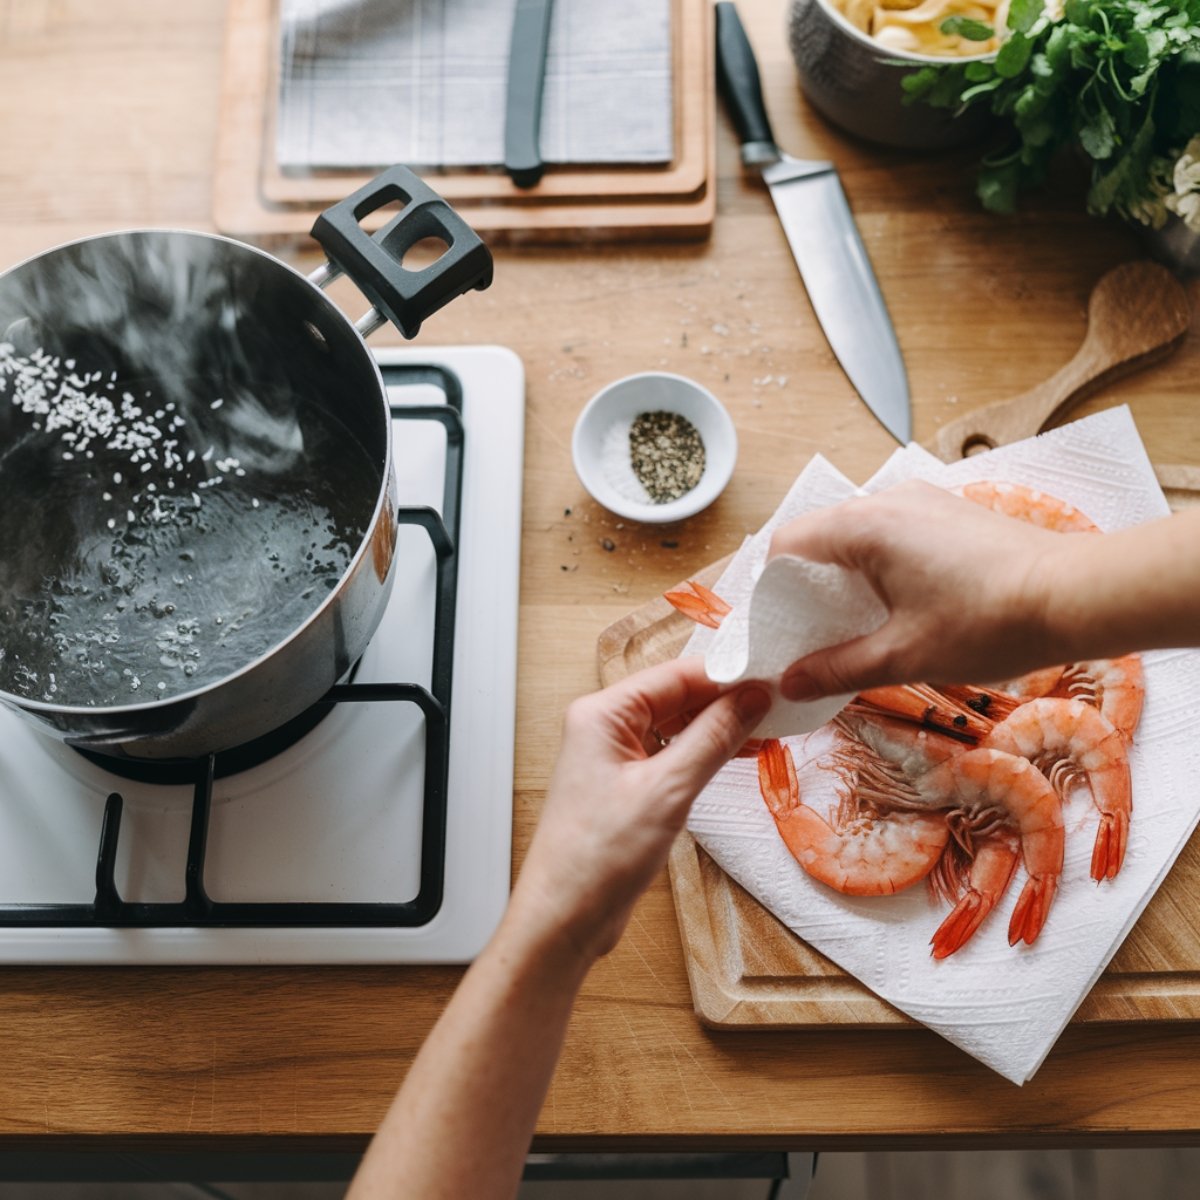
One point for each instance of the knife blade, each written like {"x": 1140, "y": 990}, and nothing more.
{"x": 823, "y": 237}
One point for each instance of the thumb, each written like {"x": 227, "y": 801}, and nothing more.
{"x": 848, "y": 667}
{"x": 710, "y": 740}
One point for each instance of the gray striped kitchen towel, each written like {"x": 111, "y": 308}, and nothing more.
{"x": 367, "y": 83}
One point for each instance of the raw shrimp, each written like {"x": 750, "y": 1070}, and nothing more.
{"x": 1027, "y": 504}
{"x": 985, "y": 789}
{"x": 1114, "y": 685}
{"x": 983, "y": 779}
{"x": 858, "y": 855}
{"x": 1072, "y": 740}
{"x": 991, "y": 803}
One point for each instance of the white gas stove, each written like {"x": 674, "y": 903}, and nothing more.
{"x": 370, "y": 839}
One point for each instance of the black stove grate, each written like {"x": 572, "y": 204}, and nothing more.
{"x": 197, "y": 908}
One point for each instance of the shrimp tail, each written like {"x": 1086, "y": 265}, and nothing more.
{"x": 777, "y": 778}
{"x": 987, "y": 880}
{"x": 1033, "y": 905}
{"x": 1111, "y": 840}
{"x": 958, "y": 928}
{"x": 701, "y": 604}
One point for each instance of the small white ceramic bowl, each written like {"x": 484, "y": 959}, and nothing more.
{"x": 616, "y": 406}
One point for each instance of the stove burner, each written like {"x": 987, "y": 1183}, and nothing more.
{"x": 197, "y": 908}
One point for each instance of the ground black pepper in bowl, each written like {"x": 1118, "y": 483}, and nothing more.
{"x": 666, "y": 452}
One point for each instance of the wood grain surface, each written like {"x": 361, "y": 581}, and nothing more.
{"x": 108, "y": 118}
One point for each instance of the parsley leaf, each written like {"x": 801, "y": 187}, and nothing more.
{"x": 967, "y": 27}
{"x": 1120, "y": 79}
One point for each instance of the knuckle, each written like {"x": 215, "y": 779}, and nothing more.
{"x": 579, "y": 715}
{"x": 890, "y": 660}
{"x": 835, "y": 678}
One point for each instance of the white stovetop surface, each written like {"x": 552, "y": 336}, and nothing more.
{"x": 336, "y": 817}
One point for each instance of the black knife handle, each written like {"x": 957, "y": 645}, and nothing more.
{"x": 526, "y": 79}
{"x": 737, "y": 76}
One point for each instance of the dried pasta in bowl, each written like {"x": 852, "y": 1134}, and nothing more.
{"x": 926, "y": 26}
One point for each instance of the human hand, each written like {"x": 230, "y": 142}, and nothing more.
{"x": 616, "y": 800}
{"x": 968, "y": 591}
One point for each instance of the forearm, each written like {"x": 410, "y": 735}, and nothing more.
{"x": 462, "y": 1122}
{"x": 1138, "y": 589}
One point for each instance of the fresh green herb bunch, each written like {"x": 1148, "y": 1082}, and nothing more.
{"x": 1118, "y": 78}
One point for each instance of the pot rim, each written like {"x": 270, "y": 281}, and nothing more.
{"x": 842, "y": 21}
{"x": 189, "y": 697}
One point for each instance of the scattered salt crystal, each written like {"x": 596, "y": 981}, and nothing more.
{"x": 617, "y": 465}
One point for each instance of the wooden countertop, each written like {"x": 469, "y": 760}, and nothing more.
{"x": 107, "y": 119}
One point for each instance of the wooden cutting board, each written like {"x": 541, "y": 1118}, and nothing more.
{"x": 748, "y": 970}
{"x": 252, "y": 197}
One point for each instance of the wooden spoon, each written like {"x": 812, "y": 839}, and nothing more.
{"x": 1137, "y": 314}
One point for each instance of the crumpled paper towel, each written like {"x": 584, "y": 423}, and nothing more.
{"x": 795, "y": 607}
{"x": 1004, "y": 1005}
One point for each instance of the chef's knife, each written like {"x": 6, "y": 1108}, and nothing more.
{"x": 824, "y": 239}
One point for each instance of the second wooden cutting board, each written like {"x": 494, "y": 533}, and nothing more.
{"x": 748, "y": 970}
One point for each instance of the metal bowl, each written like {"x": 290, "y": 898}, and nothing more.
{"x": 855, "y": 83}
{"x": 1175, "y": 245}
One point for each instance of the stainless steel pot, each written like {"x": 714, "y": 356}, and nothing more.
{"x": 856, "y": 83}
{"x": 231, "y": 344}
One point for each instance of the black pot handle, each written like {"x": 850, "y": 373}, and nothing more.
{"x": 374, "y": 262}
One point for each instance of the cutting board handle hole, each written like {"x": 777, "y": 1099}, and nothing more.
{"x": 977, "y": 443}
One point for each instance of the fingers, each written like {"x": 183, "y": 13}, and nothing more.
{"x": 710, "y": 740}
{"x": 819, "y": 536}
{"x": 652, "y": 698}
{"x": 844, "y": 669}
{"x": 849, "y": 533}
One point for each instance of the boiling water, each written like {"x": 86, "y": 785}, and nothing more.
{"x": 127, "y": 578}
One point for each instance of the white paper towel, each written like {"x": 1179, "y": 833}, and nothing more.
{"x": 1004, "y": 1005}
{"x": 794, "y": 608}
